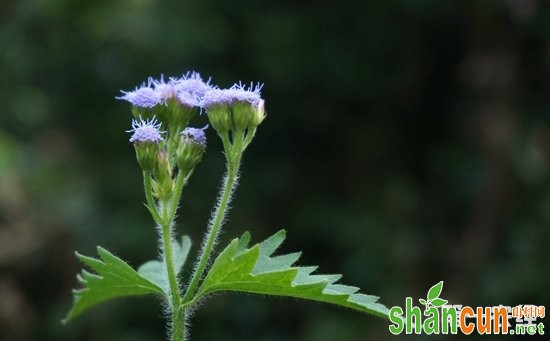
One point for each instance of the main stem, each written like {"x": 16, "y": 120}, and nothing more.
{"x": 177, "y": 318}
{"x": 233, "y": 162}
{"x": 170, "y": 208}
{"x": 177, "y": 323}
{"x": 177, "y": 314}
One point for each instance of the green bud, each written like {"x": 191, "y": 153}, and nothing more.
{"x": 247, "y": 115}
{"x": 220, "y": 118}
{"x": 146, "y": 154}
{"x": 178, "y": 115}
{"x": 258, "y": 114}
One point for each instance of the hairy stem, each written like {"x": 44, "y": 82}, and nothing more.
{"x": 233, "y": 154}
{"x": 178, "y": 324}
{"x": 164, "y": 221}
{"x": 177, "y": 318}
{"x": 181, "y": 180}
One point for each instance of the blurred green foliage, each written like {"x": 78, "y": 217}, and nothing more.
{"x": 406, "y": 142}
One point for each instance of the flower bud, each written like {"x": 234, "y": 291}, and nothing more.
{"x": 146, "y": 138}
{"x": 192, "y": 146}
{"x": 258, "y": 114}
{"x": 248, "y": 115}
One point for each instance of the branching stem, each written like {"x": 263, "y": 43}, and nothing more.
{"x": 233, "y": 152}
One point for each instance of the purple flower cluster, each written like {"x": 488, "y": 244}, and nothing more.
{"x": 237, "y": 93}
{"x": 238, "y": 109}
{"x": 145, "y": 131}
{"x": 191, "y": 90}
{"x": 187, "y": 89}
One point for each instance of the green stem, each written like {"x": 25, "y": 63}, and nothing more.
{"x": 181, "y": 180}
{"x": 165, "y": 221}
{"x": 249, "y": 136}
{"x": 177, "y": 322}
{"x": 233, "y": 155}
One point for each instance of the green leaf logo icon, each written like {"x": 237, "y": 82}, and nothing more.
{"x": 435, "y": 291}
{"x": 433, "y": 300}
{"x": 438, "y": 302}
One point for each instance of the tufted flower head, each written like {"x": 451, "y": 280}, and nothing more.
{"x": 142, "y": 97}
{"x": 194, "y": 135}
{"x": 253, "y": 94}
{"x": 236, "y": 93}
{"x": 189, "y": 88}
{"x": 187, "y": 99}
{"x": 164, "y": 90}
{"x": 145, "y": 131}
{"x": 215, "y": 97}
{"x": 191, "y": 83}
{"x": 191, "y": 148}
{"x": 146, "y": 138}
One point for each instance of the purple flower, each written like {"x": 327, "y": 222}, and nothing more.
{"x": 237, "y": 93}
{"x": 215, "y": 97}
{"x": 187, "y": 89}
{"x": 187, "y": 99}
{"x": 164, "y": 90}
{"x": 191, "y": 83}
{"x": 194, "y": 135}
{"x": 144, "y": 96}
{"x": 145, "y": 131}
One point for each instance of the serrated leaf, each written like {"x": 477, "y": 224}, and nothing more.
{"x": 256, "y": 270}
{"x": 438, "y": 302}
{"x": 114, "y": 278}
{"x": 435, "y": 291}
{"x": 155, "y": 271}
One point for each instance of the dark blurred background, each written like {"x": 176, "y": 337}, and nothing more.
{"x": 406, "y": 142}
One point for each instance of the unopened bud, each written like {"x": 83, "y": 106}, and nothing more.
{"x": 258, "y": 114}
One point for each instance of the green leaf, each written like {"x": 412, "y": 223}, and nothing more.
{"x": 422, "y": 301}
{"x": 155, "y": 271}
{"x": 256, "y": 270}
{"x": 435, "y": 291}
{"x": 438, "y": 302}
{"x": 114, "y": 278}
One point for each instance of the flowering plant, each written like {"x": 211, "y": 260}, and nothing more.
{"x": 168, "y": 151}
